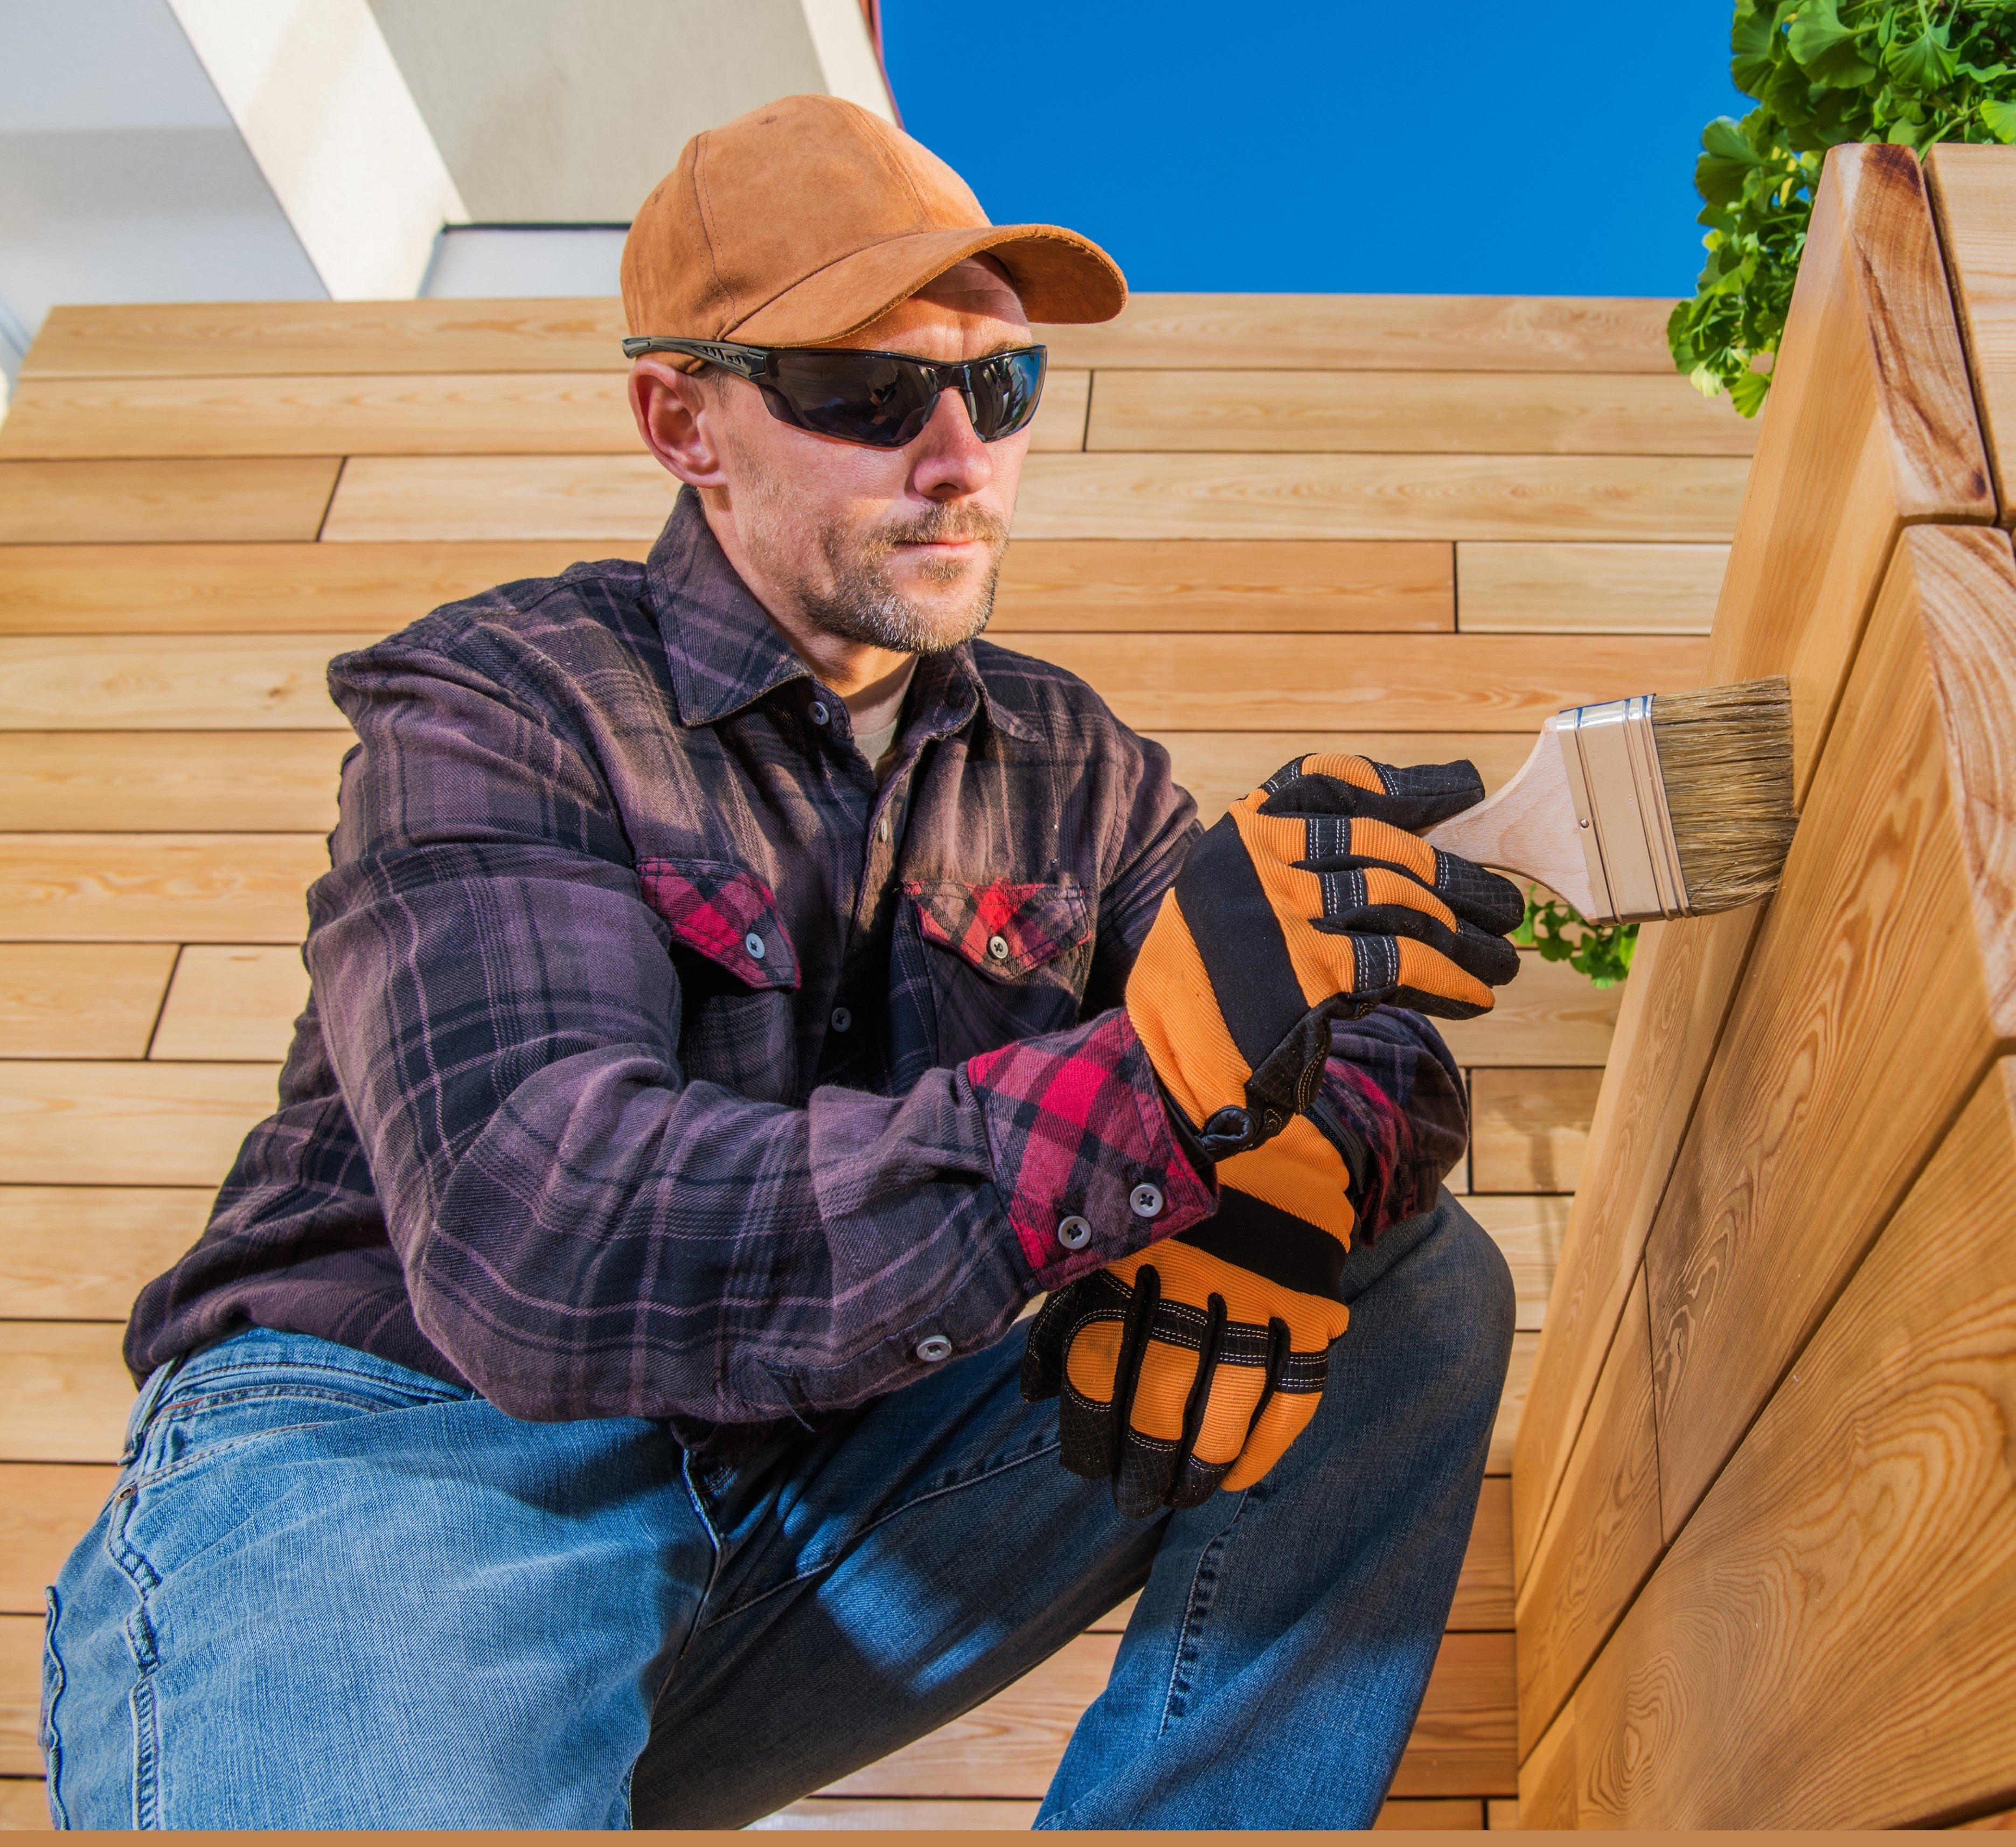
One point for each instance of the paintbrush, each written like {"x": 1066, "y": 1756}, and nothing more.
{"x": 1669, "y": 805}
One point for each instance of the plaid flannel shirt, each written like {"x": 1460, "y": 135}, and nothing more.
{"x": 659, "y": 1063}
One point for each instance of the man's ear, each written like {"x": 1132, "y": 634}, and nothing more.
{"x": 678, "y": 415}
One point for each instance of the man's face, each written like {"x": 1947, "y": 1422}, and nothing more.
{"x": 897, "y": 548}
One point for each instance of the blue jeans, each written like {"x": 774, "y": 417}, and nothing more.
{"x": 328, "y": 1591}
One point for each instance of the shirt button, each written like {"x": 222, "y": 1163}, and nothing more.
{"x": 933, "y": 1348}
{"x": 754, "y": 944}
{"x": 842, "y": 1019}
{"x": 1075, "y": 1234}
{"x": 997, "y": 947}
{"x": 819, "y": 714}
{"x": 1146, "y": 1201}
{"x": 882, "y": 830}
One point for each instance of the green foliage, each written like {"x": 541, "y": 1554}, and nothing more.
{"x": 1909, "y": 72}
{"x": 1600, "y": 951}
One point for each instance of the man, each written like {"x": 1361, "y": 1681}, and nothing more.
{"x": 737, "y": 993}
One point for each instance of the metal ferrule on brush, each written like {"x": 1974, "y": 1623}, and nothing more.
{"x": 1620, "y": 803}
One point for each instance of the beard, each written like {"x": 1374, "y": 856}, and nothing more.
{"x": 856, "y": 597}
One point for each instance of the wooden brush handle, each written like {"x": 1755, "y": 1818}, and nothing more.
{"x": 1528, "y": 829}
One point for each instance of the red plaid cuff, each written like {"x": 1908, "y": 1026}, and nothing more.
{"x": 1082, "y": 1151}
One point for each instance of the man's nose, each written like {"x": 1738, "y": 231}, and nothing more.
{"x": 950, "y": 458}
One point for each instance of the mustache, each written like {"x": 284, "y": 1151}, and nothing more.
{"x": 944, "y": 525}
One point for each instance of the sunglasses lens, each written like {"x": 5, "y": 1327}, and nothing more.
{"x": 883, "y": 400}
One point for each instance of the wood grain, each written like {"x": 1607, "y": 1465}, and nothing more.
{"x": 1314, "y": 333}
{"x": 23, "y": 1805}
{"x": 46, "y": 1508}
{"x": 1529, "y": 1129}
{"x": 236, "y": 1001}
{"x": 186, "y": 683}
{"x": 20, "y": 1695}
{"x": 81, "y": 1000}
{"x": 82, "y": 1253}
{"x": 1463, "y": 1743}
{"x": 204, "y": 782}
{"x": 157, "y": 888}
{"x": 1411, "y": 412}
{"x": 1447, "y": 1815}
{"x": 1547, "y": 1777}
{"x": 65, "y": 1125}
{"x": 1548, "y": 1015}
{"x": 1528, "y": 1229}
{"x": 842, "y": 1812}
{"x": 265, "y": 589}
{"x": 1371, "y": 682}
{"x": 1218, "y": 767}
{"x": 64, "y": 1391}
{"x": 597, "y": 499}
{"x": 1588, "y": 589}
{"x": 72, "y": 502}
{"x": 1603, "y": 1536}
{"x": 1512, "y": 1404}
{"x": 1829, "y": 1639}
{"x": 1974, "y": 194}
{"x": 1870, "y": 963}
{"x": 1220, "y": 585}
{"x": 1483, "y": 1586}
{"x": 1502, "y": 1811}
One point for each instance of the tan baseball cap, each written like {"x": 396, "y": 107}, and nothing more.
{"x": 805, "y": 219}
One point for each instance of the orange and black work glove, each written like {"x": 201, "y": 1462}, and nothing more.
{"x": 1192, "y": 1366}
{"x": 1310, "y": 901}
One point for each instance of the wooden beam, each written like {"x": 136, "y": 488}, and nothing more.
{"x": 74, "y": 502}
{"x": 157, "y": 888}
{"x": 84, "y": 782}
{"x": 1588, "y": 589}
{"x": 232, "y": 1001}
{"x": 81, "y": 1000}
{"x": 1974, "y": 193}
{"x": 82, "y": 1253}
{"x": 1887, "y": 950}
{"x": 1529, "y": 1129}
{"x": 184, "y": 682}
{"x": 93, "y": 1123}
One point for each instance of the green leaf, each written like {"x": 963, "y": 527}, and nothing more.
{"x": 1825, "y": 48}
{"x": 1727, "y": 161}
{"x": 1924, "y": 63}
{"x": 1999, "y": 119}
{"x": 1750, "y": 44}
{"x": 1747, "y": 392}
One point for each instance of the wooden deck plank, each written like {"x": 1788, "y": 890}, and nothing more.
{"x": 46, "y": 1508}
{"x": 1130, "y": 496}
{"x": 1529, "y": 1129}
{"x": 1512, "y": 1404}
{"x": 20, "y": 1695}
{"x": 980, "y": 1814}
{"x": 1549, "y": 1015}
{"x": 72, "y": 502}
{"x": 67, "y": 1124}
{"x": 1463, "y": 1743}
{"x": 183, "y": 683}
{"x": 260, "y": 589}
{"x": 1887, "y": 949}
{"x": 64, "y": 1391}
{"x": 1483, "y": 1586}
{"x": 82, "y": 1253}
{"x": 1972, "y": 190}
{"x": 1588, "y": 589}
{"x": 184, "y": 782}
{"x": 81, "y": 1000}
{"x": 1411, "y": 412}
{"x": 24, "y": 1806}
{"x": 1222, "y": 585}
{"x": 1528, "y": 1229}
{"x": 1218, "y": 767}
{"x": 232, "y": 1001}
{"x": 157, "y": 888}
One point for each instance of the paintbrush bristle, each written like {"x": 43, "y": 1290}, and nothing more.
{"x": 1726, "y": 759}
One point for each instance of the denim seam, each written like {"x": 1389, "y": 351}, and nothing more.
{"x": 1196, "y": 1609}
{"x": 860, "y": 1533}
{"x": 52, "y": 1690}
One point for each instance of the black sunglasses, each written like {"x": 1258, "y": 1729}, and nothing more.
{"x": 881, "y": 400}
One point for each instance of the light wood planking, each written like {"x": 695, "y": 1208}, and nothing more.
{"x": 841, "y": 1812}
{"x": 184, "y": 682}
{"x": 1463, "y": 1742}
{"x": 1528, "y": 1230}
{"x": 206, "y": 782}
{"x": 157, "y": 888}
{"x": 2002, "y": 1821}
{"x": 1974, "y": 193}
{"x": 20, "y": 1695}
{"x": 46, "y": 1508}
{"x": 1547, "y": 1777}
{"x": 596, "y": 500}
{"x": 1220, "y": 585}
{"x": 23, "y": 1805}
{"x": 64, "y": 1391}
{"x": 1548, "y": 1015}
{"x": 1483, "y": 1586}
{"x": 396, "y": 414}
{"x": 233, "y": 1002}
{"x": 1529, "y": 1129}
{"x": 1512, "y": 1404}
{"x": 128, "y": 1125}
{"x": 263, "y": 589}
{"x": 82, "y": 1253}
{"x": 1331, "y": 683}
{"x": 1871, "y": 425}
{"x": 1443, "y": 1815}
{"x": 1218, "y": 767}
{"x": 1887, "y": 951}
{"x": 81, "y": 1000}
{"x": 1603, "y": 1536}
{"x": 1411, "y": 412}
{"x": 74, "y": 502}
{"x": 1588, "y": 589}
{"x": 1318, "y": 332}
{"x": 1342, "y": 496}
{"x": 208, "y": 339}
{"x": 1502, "y": 1813}
{"x": 1829, "y": 1639}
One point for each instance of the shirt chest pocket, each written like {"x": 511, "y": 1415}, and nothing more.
{"x": 1004, "y": 961}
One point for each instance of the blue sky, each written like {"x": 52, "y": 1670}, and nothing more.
{"x": 1533, "y": 148}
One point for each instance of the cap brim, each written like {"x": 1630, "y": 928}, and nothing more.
{"x": 1058, "y": 275}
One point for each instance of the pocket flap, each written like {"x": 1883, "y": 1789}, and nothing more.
{"x": 722, "y": 912}
{"x": 1032, "y": 924}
